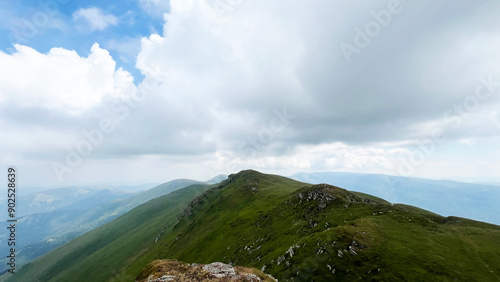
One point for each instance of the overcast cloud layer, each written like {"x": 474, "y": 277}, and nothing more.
{"x": 399, "y": 87}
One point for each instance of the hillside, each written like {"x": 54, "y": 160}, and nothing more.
{"x": 286, "y": 228}
{"x": 444, "y": 197}
{"x": 43, "y": 232}
{"x": 107, "y": 249}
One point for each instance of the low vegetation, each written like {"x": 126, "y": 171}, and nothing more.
{"x": 291, "y": 230}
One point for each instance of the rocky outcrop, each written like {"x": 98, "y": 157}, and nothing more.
{"x": 171, "y": 270}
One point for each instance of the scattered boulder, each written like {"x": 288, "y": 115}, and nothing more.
{"x": 172, "y": 270}
{"x": 162, "y": 278}
{"x": 219, "y": 269}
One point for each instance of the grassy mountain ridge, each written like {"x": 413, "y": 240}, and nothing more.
{"x": 475, "y": 201}
{"x": 322, "y": 232}
{"x": 235, "y": 194}
{"x": 286, "y": 228}
{"x": 45, "y": 231}
{"x": 102, "y": 253}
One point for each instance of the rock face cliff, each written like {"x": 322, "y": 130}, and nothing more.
{"x": 172, "y": 270}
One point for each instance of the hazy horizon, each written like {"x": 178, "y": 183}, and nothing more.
{"x": 34, "y": 188}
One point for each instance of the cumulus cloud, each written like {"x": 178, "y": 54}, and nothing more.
{"x": 253, "y": 58}
{"x": 61, "y": 79}
{"x": 265, "y": 84}
{"x": 46, "y": 100}
{"x": 411, "y": 80}
{"x": 94, "y": 18}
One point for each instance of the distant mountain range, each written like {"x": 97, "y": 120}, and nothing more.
{"x": 59, "y": 215}
{"x": 290, "y": 229}
{"x": 491, "y": 183}
{"x": 74, "y": 198}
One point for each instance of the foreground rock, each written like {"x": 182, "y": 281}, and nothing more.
{"x": 172, "y": 270}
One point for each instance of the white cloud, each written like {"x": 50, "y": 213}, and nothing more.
{"x": 262, "y": 55}
{"x": 60, "y": 79}
{"x": 223, "y": 76}
{"x": 95, "y": 18}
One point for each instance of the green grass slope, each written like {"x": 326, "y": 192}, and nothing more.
{"x": 43, "y": 232}
{"x": 291, "y": 230}
{"x": 325, "y": 233}
{"x": 105, "y": 252}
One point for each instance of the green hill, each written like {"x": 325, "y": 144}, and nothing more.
{"x": 286, "y": 228}
{"x": 102, "y": 253}
{"x": 43, "y": 232}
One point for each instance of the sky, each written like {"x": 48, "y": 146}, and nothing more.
{"x": 96, "y": 92}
